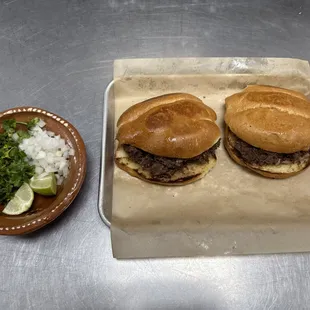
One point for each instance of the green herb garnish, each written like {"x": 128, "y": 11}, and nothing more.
{"x": 23, "y": 135}
{"x": 32, "y": 123}
{"x": 14, "y": 169}
{"x": 9, "y": 125}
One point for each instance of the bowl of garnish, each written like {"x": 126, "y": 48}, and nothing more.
{"x": 42, "y": 168}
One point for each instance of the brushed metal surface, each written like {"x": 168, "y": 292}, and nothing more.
{"x": 58, "y": 55}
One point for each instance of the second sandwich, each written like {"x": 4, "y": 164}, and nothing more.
{"x": 268, "y": 130}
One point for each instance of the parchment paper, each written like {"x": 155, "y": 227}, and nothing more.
{"x": 231, "y": 210}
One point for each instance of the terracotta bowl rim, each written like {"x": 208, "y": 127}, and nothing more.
{"x": 46, "y": 218}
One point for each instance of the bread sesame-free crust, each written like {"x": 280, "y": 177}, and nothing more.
{"x": 270, "y": 118}
{"x": 271, "y": 89}
{"x": 174, "y": 125}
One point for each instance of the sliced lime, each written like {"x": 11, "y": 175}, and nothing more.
{"x": 21, "y": 202}
{"x": 44, "y": 185}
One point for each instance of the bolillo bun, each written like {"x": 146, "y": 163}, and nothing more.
{"x": 168, "y": 140}
{"x": 272, "y": 89}
{"x": 174, "y": 125}
{"x": 271, "y": 118}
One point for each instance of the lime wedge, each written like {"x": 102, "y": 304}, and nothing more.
{"x": 44, "y": 186}
{"x": 21, "y": 202}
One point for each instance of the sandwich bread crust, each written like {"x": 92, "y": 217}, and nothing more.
{"x": 175, "y": 125}
{"x": 271, "y": 118}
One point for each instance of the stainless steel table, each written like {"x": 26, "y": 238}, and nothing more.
{"x": 59, "y": 55}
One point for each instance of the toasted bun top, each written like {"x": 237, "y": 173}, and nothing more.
{"x": 174, "y": 125}
{"x": 273, "y": 119}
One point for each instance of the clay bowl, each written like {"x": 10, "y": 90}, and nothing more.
{"x": 45, "y": 209}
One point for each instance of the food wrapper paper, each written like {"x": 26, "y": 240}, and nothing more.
{"x": 231, "y": 211}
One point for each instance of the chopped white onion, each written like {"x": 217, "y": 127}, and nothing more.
{"x": 47, "y": 152}
{"x": 38, "y": 170}
{"x": 41, "y": 124}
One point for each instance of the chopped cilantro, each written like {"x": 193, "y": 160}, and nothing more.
{"x": 33, "y": 122}
{"x": 14, "y": 169}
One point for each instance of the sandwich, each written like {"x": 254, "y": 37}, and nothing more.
{"x": 268, "y": 130}
{"x": 167, "y": 140}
